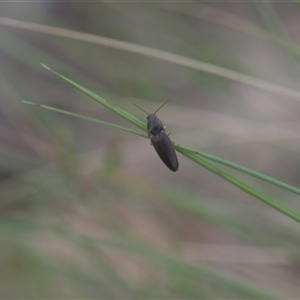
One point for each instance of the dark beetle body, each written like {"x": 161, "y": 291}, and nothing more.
{"x": 161, "y": 142}
{"x": 165, "y": 150}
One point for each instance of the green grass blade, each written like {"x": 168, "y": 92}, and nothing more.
{"x": 130, "y": 118}
{"x": 195, "y": 151}
{"x": 87, "y": 118}
{"x": 120, "y": 112}
{"x": 241, "y": 185}
{"x": 190, "y": 153}
{"x": 244, "y": 170}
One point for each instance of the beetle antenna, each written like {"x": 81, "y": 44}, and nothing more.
{"x": 161, "y": 106}
{"x": 140, "y": 109}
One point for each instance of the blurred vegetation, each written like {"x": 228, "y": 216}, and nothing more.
{"x": 91, "y": 212}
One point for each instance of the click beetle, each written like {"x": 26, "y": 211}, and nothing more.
{"x": 160, "y": 139}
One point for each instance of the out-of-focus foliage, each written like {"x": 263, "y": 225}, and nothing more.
{"x": 90, "y": 212}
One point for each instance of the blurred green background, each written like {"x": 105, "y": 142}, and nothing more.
{"x": 91, "y": 212}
